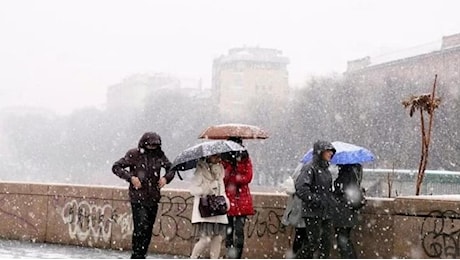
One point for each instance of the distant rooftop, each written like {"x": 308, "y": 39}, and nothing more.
{"x": 160, "y": 80}
{"x": 447, "y": 42}
{"x": 253, "y": 54}
{"x": 406, "y": 53}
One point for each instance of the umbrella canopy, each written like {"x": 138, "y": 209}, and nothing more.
{"x": 188, "y": 158}
{"x": 345, "y": 154}
{"x": 225, "y": 131}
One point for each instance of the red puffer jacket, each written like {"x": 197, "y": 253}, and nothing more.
{"x": 236, "y": 187}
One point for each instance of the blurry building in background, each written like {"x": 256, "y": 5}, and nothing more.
{"x": 417, "y": 65}
{"x": 248, "y": 77}
{"x": 132, "y": 92}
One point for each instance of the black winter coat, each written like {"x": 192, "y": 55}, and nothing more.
{"x": 146, "y": 165}
{"x": 314, "y": 185}
{"x": 349, "y": 195}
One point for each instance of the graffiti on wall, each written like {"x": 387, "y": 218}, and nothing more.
{"x": 265, "y": 222}
{"x": 85, "y": 220}
{"x": 174, "y": 219}
{"x": 124, "y": 220}
{"x": 441, "y": 234}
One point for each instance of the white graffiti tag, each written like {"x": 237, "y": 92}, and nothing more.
{"x": 88, "y": 220}
{"x": 126, "y": 224}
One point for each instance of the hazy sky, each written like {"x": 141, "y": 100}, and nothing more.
{"x": 63, "y": 54}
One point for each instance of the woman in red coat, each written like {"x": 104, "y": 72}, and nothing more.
{"x": 238, "y": 175}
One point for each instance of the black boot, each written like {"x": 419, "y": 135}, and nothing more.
{"x": 135, "y": 256}
{"x": 239, "y": 252}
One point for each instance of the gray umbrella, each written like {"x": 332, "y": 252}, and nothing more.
{"x": 188, "y": 158}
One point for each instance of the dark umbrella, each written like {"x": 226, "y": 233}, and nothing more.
{"x": 188, "y": 158}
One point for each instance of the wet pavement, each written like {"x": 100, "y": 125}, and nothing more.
{"x": 25, "y": 249}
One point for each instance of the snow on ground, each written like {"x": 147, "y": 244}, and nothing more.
{"x": 24, "y": 249}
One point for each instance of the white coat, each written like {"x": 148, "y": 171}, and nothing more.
{"x": 206, "y": 183}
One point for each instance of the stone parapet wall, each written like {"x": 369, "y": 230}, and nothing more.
{"x": 405, "y": 227}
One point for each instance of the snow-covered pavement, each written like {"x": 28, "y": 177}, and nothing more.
{"x": 23, "y": 249}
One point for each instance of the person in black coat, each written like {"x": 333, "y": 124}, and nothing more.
{"x": 314, "y": 187}
{"x": 350, "y": 197}
{"x": 141, "y": 167}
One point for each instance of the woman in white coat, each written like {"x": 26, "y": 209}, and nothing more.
{"x": 208, "y": 179}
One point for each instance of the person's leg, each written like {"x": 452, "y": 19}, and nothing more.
{"x": 239, "y": 235}
{"x": 326, "y": 238}
{"x": 311, "y": 241}
{"x": 143, "y": 219}
{"x": 137, "y": 211}
{"x": 214, "y": 250}
{"x": 299, "y": 237}
{"x": 200, "y": 246}
{"x": 229, "y": 243}
{"x": 151, "y": 211}
{"x": 344, "y": 244}
{"x": 351, "y": 246}
{"x": 230, "y": 232}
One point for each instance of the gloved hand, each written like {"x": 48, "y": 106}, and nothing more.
{"x": 316, "y": 201}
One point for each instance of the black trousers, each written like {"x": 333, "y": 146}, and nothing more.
{"x": 143, "y": 219}
{"x": 318, "y": 238}
{"x": 299, "y": 236}
{"x": 344, "y": 243}
{"x": 234, "y": 240}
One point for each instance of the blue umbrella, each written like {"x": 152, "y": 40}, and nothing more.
{"x": 345, "y": 154}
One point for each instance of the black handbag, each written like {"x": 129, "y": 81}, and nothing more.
{"x": 212, "y": 205}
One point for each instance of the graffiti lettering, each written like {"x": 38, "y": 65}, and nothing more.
{"x": 85, "y": 219}
{"x": 174, "y": 220}
{"x": 263, "y": 224}
{"x": 125, "y": 222}
{"x": 441, "y": 234}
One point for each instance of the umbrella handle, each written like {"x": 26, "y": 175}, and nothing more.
{"x": 180, "y": 177}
